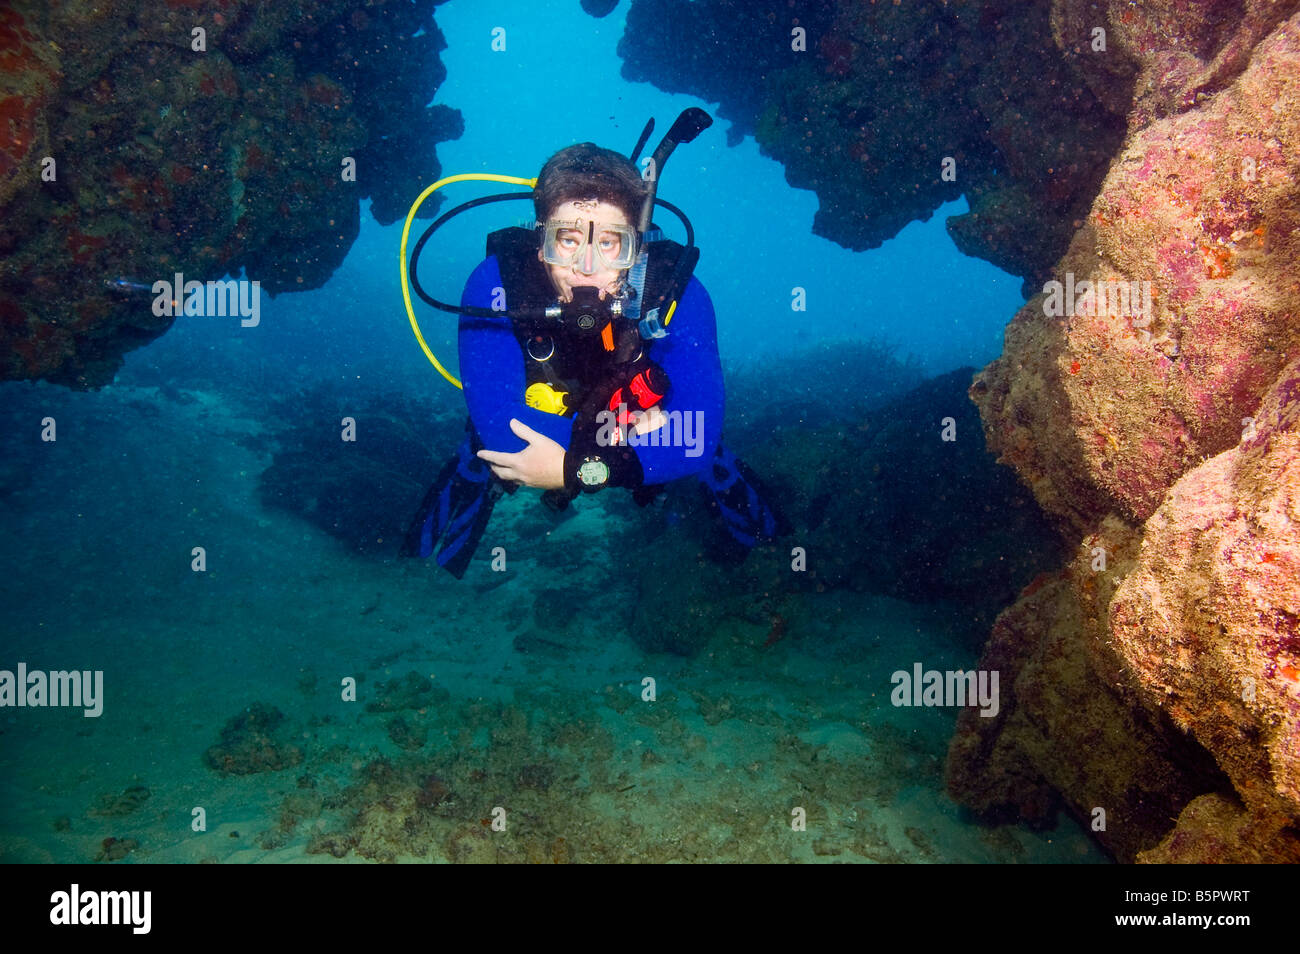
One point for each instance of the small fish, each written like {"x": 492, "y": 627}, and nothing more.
{"x": 126, "y": 286}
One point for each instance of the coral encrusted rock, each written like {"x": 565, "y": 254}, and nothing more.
{"x": 133, "y": 148}
{"x": 1173, "y": 414}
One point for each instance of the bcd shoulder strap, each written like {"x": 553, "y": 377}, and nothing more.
{"x": 664, "y": 255}
{"x": 523, "y": 276}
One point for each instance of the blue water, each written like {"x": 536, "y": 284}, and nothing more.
{"x": 916, "y": 292}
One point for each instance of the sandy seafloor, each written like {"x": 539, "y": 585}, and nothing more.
{"x": 95, "y": 574}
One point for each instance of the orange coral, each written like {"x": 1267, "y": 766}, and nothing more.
{"x": 1218, "y": 261}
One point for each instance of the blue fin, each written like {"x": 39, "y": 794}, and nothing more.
{"x": 736, "y": 495}
{"x": 455, "y": 510}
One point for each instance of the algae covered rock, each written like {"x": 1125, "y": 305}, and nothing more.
{"x": 412, "y": 691}
{"x": 889, "y": 110}
{"x": 1172, "y": 411}
{"x": 1215, "y": 829}
{"x": 253, "y": 741}
{"x": 1173, "y": 311}
{"x": 1209, "y": 618}
{"x": 130, "y": 148}
{"x": 1067, "y": 733}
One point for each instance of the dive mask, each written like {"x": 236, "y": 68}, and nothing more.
{"x": 588, "y": 246}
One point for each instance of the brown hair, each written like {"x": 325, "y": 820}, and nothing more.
{"x": 586, "y": 171}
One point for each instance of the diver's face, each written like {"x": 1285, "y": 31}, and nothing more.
{"x": 565, "y": 278}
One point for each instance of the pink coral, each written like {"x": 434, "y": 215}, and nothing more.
{"x": 1179, "y": 426}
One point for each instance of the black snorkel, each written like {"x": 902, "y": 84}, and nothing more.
{"x": 689, "y": 124}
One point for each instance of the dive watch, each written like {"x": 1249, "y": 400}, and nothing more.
{"x": 593, "y": 473}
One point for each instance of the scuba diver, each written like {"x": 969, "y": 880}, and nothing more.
{"x": 589, "y": 354}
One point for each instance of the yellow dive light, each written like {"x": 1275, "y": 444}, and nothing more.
{"x": 545, "y": 398}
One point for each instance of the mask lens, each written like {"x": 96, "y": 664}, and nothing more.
{"x": 588, "y": 246}
{"x": 615, "y": 245}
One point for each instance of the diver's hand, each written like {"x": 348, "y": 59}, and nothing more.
{"x": 540, "y": 464}
{"x": 649, "y": 420}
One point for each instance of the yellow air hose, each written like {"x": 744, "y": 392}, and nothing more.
{"x": 406, "y": 232}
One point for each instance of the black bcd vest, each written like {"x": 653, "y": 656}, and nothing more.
{"x": 570, "y": 362}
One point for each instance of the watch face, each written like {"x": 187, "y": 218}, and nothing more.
{"x": 593, "y": 472}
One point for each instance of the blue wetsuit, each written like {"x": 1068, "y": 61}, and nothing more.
{"x": 457, "y": 506}
{"x": 493, "y": 374}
